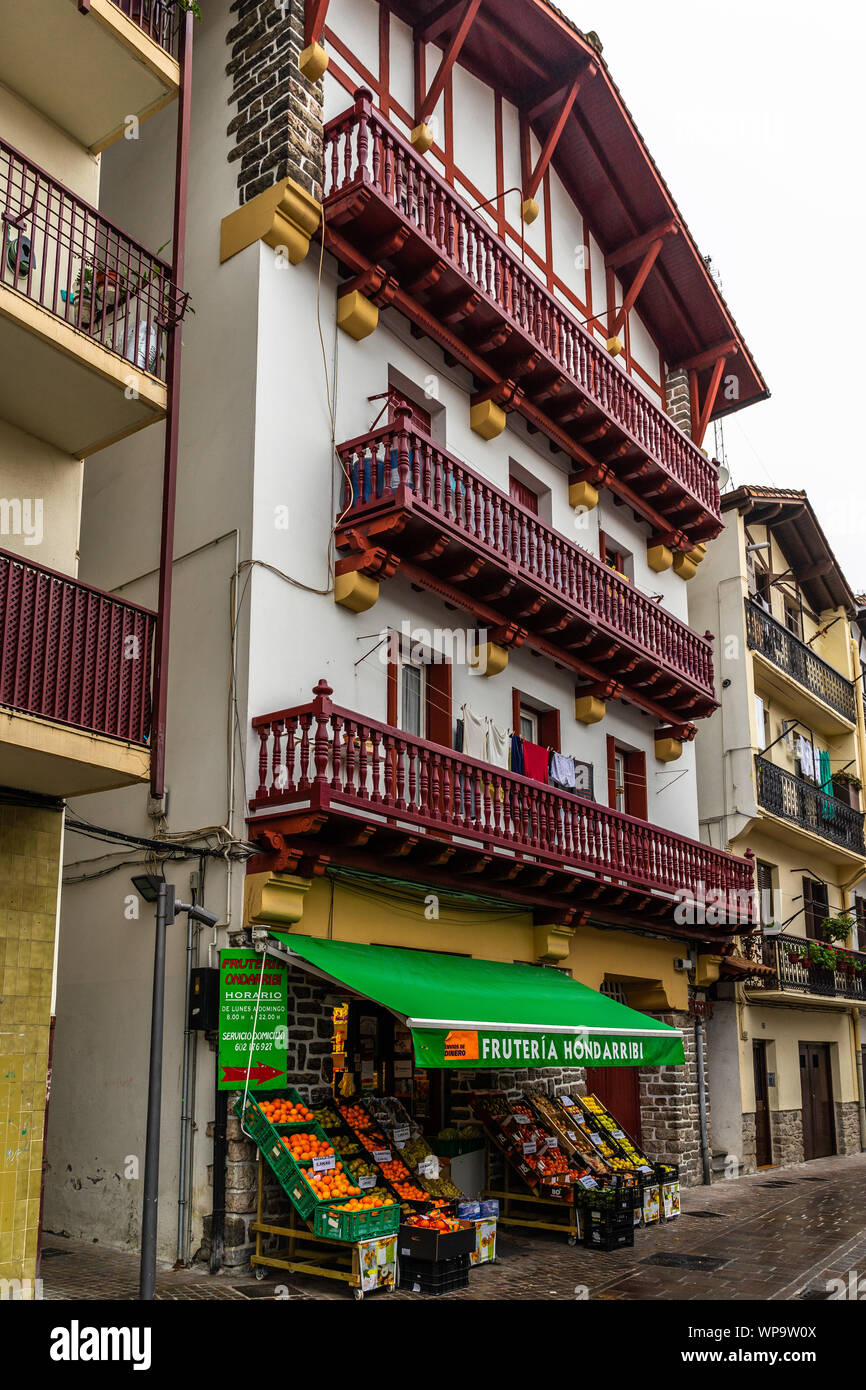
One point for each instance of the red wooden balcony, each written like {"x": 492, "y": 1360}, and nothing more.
{"x": 406, "y": 500}
{"x": 411, "y": 241}
{"x": 102, "y": 290}
{"x": 73, "y": 654}
{"x": 335, "y": 784}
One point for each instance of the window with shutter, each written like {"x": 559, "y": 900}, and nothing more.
{"x": 815, "y": 906}
{"x": 420, "y": 418}
{"x": 523, "y": 494}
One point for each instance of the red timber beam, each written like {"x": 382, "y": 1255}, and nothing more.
{"x": 701, "y": 412}
{"x": 647, "y": 246}
{"x": 425, "y": 102}
{"x": 563, "y": 96}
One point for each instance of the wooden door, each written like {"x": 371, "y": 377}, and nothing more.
{"x": 816, "y": 1084}
{"x": 618, "y": 1089}
{"x": 763, "y": 1134}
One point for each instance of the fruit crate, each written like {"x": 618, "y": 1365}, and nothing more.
{"x": 257, "y": 1124}
{"x": 433, "y": 1277}
{"x": 607, "y": 1235}
{"x": 365, "y": 1224}
{"x": 611, "y": 1200}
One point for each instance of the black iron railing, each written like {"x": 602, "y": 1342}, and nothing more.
{"x": 773, "y": 640}
{"x": 787, "y": 957}
{"x": 808, "y": 806}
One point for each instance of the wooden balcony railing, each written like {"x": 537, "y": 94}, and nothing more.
{"x": 794, "y": 971}
{"x": 160, "y": 21}
{"x": 397, "y": 469}
{"x": 436, "y": 245}
{"x": 72, "y": 653}
{"x": 321, "y": 757}
{"x": 773, "y": 640}
{"x": 806, "y": 805}
{"x": 62, "y": 254}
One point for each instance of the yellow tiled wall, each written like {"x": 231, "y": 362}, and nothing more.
{"x": 30, "y": 844}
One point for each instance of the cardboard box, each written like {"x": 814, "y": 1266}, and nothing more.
{"x": 485, "y": 1241}
{"x": 419, "y": 1243}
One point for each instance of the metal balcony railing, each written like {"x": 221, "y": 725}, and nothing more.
{"x": 804, "y": 804}
{"x": 160, "y": 21}
{"x": 773, "y": 640}
{"x": 62, "y": 254}
{"x": 793, "y": 971}
{"x": 72, "y": 653}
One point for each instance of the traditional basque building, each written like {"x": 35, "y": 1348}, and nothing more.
{"x": 441, "y": 499}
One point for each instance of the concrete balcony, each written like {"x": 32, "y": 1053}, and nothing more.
{"x": 815, "y": 691}
{"x": 75, "y": 668}
{"x": 84, "y": 317}
{"x": 89, "y": 66}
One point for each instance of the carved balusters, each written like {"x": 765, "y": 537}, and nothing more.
{"x": 264, "y": 735}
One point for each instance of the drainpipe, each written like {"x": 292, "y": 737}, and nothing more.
{"x": 172, "y": 424}
{"x": 702, "y": 1100}
{"x": 858, "y": 1061}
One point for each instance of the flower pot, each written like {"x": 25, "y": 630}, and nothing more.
{"x": 108, "y": 286}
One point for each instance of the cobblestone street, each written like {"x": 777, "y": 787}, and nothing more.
{"x": 776, "y": 1235}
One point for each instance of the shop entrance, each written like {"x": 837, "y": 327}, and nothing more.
{"x": 763, "y": 1136}
{"x": 618, "y": 1089}
{"x": 819, "y": 1129}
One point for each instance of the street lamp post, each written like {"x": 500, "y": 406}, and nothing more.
{"x": 153, "y": 888}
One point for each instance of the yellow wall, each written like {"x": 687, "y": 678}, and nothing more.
{"x": 790, "y": 860}
{"x": 782, "y": 1028}
{"x": 370, "y": 914}
{"x": 47, "y": 145}
{"x": 30, "y": 849}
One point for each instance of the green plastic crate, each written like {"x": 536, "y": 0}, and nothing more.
{"x": 356, "y": 1225}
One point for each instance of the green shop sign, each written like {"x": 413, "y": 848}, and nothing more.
{"x": 248, "y": 980}
{"x": 476, "y": 1050}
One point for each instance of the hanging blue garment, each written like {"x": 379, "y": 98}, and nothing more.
{"x": 517, "y": 764}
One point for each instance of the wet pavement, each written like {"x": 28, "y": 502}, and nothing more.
{"x": 776, "y": 1235}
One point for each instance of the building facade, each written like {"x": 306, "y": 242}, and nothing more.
{"x": 440, "y": 487}
{"x": 87, "y": 318}
{"x": 781, "y": 768}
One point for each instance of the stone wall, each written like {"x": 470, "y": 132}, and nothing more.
{"x": 787, "y": 1132}
{"x": 847, "y": 1127}
{"x": 670, "y": 1123}
{"x": 677, "y": 402}
{"x": 278, "y": 124}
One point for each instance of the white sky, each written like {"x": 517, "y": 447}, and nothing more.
{"x": 754, "y": 114}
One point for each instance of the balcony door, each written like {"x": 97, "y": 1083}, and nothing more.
{"x": 763, "y": 1134}
{"x": 816, "y": 1087}
{"x": 815, "y": 907}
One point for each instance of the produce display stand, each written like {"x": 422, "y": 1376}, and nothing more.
{"x": 317, "y": 1255}
{"x": 513, "y": 1206}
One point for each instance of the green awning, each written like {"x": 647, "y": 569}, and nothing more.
{"x": 483, "y": 1013}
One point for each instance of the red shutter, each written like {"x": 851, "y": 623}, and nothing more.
{"x": 602, "y": 546}
{"x": 439, "y": 723}
{"x": 420, "y": 418}
{"x": 548, "y": 730}
{"x": 524, "y": 495}
{"x": 611, "y": 771}
{"x": 635, "y": 784}
{"x": 515, "y": 711}
{"x": 393, "y": 669}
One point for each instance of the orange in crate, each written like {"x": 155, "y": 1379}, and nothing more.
{"x": 285, "y": 1112}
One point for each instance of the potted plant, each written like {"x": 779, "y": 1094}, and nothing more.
{"x": 837, "y": 928}
{"x": 847, "y": 786}
{"x": 821, "y": 956}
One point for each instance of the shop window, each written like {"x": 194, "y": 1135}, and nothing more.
{"x": 815, "y": 906}
{"x": 626, "y": 780}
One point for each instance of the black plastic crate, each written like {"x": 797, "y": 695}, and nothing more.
{"x": 605, "y": 1235}
{"x": 433, "y": 1276}
{"x": 604, "y": 1219}
{"x": 609, "y": 1199}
